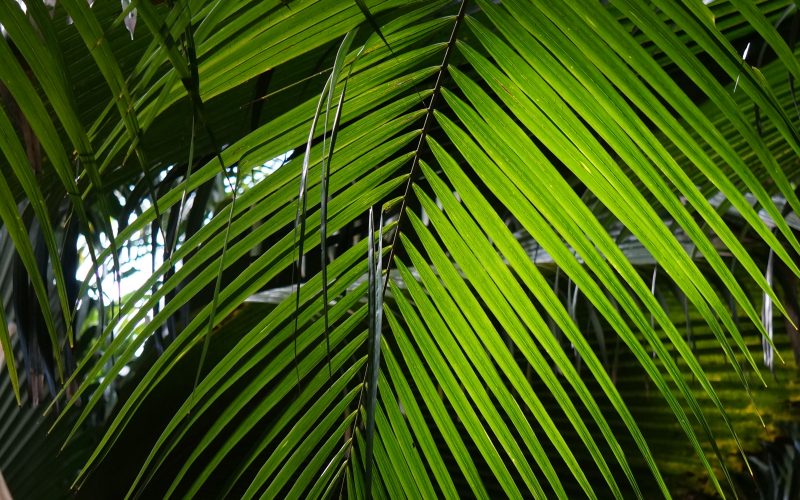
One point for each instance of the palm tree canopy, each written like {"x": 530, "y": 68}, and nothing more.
{"x": 398, "y": 247}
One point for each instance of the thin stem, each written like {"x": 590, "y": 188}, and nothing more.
{"x": 437, "y": 88}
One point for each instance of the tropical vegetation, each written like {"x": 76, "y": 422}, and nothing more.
{"x": 399, "y": 248}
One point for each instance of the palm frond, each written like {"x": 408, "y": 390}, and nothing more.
{"x": 506, "y": 147}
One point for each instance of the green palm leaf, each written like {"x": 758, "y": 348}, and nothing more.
{"x": 626, "y": 149}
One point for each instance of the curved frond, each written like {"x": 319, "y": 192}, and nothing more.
{"x": 563, "y": 189}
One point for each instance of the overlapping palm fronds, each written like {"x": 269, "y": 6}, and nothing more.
{"x": 413, "y": 185}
